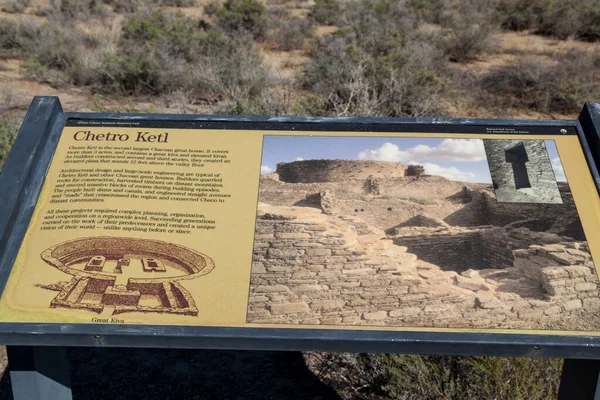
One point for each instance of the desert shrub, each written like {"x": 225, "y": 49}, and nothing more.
{"x": 415, "y": 170}
{"x": 269, "y": 103}
{"x": 293, "y": 33}
{"x": 177, "y": 3}
{"x": 379, "y": 67}
{"x": 570, "y": 18}
{"x": 73, "y": 10}
{"x": 434, "y": 377}
{"x": 467, "y": 41}
{"x": 8, "y": 132}
{"x": 54, "y": 53}
{"x": 125, "y": 6}
{"x": 243, "y": 16}
{"x": 311, "y": 106}
{"x": 562, "y": 19}
{"x": 8, "y": 34}
{"x": 327, "y": 12}
{"x": 438, "y": 12}
{"x": 162, "y": 53}
{"x": 413, "y": 377}
{"x": 14, "y": 6}
{"x": 560, "y": 87}
{"x": 212, "y": 7}
{"x": 518, "y": 15}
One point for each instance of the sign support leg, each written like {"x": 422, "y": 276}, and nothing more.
{"x": 580, "y": 380}
{"x": 38, "y": 373}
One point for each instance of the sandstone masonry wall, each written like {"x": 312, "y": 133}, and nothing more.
{"x": 311, "y": 268}
{"x": 311, "y": 171}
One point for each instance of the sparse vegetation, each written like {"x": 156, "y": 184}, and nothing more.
{"x": 327, "y": 12}
{"x": 292, "y": 33}
{"x": 467, "y": 41}
{"x": 562, "y": 19}
{"x": 376, "y": 69}
{"x": 387, "y": 376}
{"x": 243, "y": 16}
{"x": 560, "y": 87}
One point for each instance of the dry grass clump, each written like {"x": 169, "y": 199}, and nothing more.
{"x": 560, "y": 87}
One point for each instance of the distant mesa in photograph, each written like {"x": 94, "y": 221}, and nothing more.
{"x": 382, "y": 243}
{"x": 118, "y": 275}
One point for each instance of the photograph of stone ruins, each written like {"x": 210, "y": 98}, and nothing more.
{"x": 407, "y": 232}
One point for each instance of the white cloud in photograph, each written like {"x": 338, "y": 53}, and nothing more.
{"x": 265, "y": 169}
{"x": 299, "y": 159}
{"x": 451, "y": 173}
{"x": 559, "y": 172}
{"x": 448, "y": 150}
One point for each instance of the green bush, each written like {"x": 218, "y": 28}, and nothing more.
{"x": 518, "y": 15}
{"x": 413, "y": 377}
{"x": 467, "y": 41}
{"x": 125, "y": 6}
{"x": 243, "y": 16}
{"x": 74, "y": 10}
{"x": 9, "y": 36}
{"x": 437, "y": 377}
{"x": 562, "y": 19}
{"x": 327, "y": 12}
{"x": 177, "y": 3}
{"x": 570, "y": 18}
{"x": 560, "y": 87}
{"x": 163, "y": 53}
{"x": 379, "y": 67}
{"x": 293, "y": 33}
{"x": 314, "y": 106}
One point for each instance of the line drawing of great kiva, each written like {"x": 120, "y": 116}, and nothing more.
{"x": 120, "y": 275}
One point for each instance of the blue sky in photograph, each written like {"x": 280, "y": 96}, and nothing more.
{"x": 456, "y": 159}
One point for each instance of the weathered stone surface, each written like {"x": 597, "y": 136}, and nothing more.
{"x": 378, "y": 315}
{"x": 585, "y": 286}
{"x": 573, "y": 304}
{"x": 566, "y": 259}
{"x": 290, "y": 308}
{"x": 405, "y": 312}
{"x": 327, "y": 305}
{"x": 271, "y": 289}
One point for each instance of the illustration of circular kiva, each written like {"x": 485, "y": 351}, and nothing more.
{"x": 125, "y": 275}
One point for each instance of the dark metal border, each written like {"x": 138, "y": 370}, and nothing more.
{"x": 24, "y": 173}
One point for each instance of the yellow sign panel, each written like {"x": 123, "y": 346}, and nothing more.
{"x": 345, "y": 230}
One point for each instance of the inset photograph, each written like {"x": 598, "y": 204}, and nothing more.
{"x": 521, "y": 171}
{"x": 407, "y": 232}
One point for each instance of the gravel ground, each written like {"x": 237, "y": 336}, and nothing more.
{"x": 113, "y": 373}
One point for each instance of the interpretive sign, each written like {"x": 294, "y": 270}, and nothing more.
{"x": 378, "y": 235}
{"x": 172, "y": 223}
